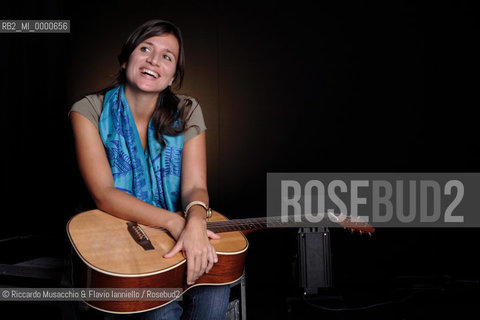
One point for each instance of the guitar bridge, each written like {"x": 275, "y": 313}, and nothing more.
{"x": 139, "y": 236}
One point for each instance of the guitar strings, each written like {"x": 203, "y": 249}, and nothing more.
{"x": 261, "y": 222}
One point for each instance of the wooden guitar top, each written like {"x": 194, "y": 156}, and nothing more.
{"x": 103, "y": 242}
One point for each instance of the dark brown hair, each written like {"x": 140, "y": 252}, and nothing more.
{"x": 170, "y": 116}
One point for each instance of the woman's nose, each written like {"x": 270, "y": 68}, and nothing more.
{"x": 153, "y": 59}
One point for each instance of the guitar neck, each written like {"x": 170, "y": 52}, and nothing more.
{"x": 238, "y": 224}
{"x": 249, "y": 224}
{"x": 276, "y": 222}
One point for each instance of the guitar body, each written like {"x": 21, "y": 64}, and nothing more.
{"x": 111, "y": 258}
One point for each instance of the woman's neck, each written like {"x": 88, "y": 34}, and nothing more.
{"x": 141, "y": 104}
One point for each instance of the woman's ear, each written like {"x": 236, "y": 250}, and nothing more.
{"x": 124, "y": 65}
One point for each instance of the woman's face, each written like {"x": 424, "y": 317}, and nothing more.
{"x": 152, "y": 65}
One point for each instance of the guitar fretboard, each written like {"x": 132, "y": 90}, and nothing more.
{"x": 273, "y": 222}
{"x": 237, "y": 224}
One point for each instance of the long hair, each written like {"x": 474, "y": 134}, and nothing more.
{"x": 170, "y": 116}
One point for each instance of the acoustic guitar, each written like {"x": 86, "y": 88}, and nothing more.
{"x": 115, "y": 253}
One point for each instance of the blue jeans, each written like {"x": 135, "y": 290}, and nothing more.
{"x": 202, "y": 302}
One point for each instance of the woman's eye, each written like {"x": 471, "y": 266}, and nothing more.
{"x": 167, "y": 57}
{"x": 144, "y": 49}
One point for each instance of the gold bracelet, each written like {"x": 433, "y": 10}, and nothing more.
{"x": 199, "y": 203}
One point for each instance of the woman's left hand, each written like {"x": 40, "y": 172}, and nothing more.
{"x": 197, "y": 249}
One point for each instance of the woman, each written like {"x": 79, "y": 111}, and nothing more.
{"x": 141, "y": 150}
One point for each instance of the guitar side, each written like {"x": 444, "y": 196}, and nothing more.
{"x": 110, "y": 258}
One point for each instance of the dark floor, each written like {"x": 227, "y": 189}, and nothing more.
{"x": 440, "y": 301}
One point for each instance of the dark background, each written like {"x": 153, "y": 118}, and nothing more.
{"x": 339, "y": 86}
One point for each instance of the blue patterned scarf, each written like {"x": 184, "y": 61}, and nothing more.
{"x": 152, "y": 176}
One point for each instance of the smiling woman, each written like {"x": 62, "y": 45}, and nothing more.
{"x": 151, "y": 66}
{"x": 141, "y": 150}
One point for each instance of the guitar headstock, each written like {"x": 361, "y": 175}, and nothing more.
{"x": 353, "y": 224}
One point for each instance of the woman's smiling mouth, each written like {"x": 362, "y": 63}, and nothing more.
{"x": 149, "y": 73}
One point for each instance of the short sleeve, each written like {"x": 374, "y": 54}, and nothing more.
{"x": 195, "y": 122}
{"x": 90, "y": 107}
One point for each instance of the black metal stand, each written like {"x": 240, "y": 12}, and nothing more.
{"x": 314, "y": 259}
{"x": 314, "y": 266}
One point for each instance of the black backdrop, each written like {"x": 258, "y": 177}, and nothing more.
{"x": 375, "y": 86}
